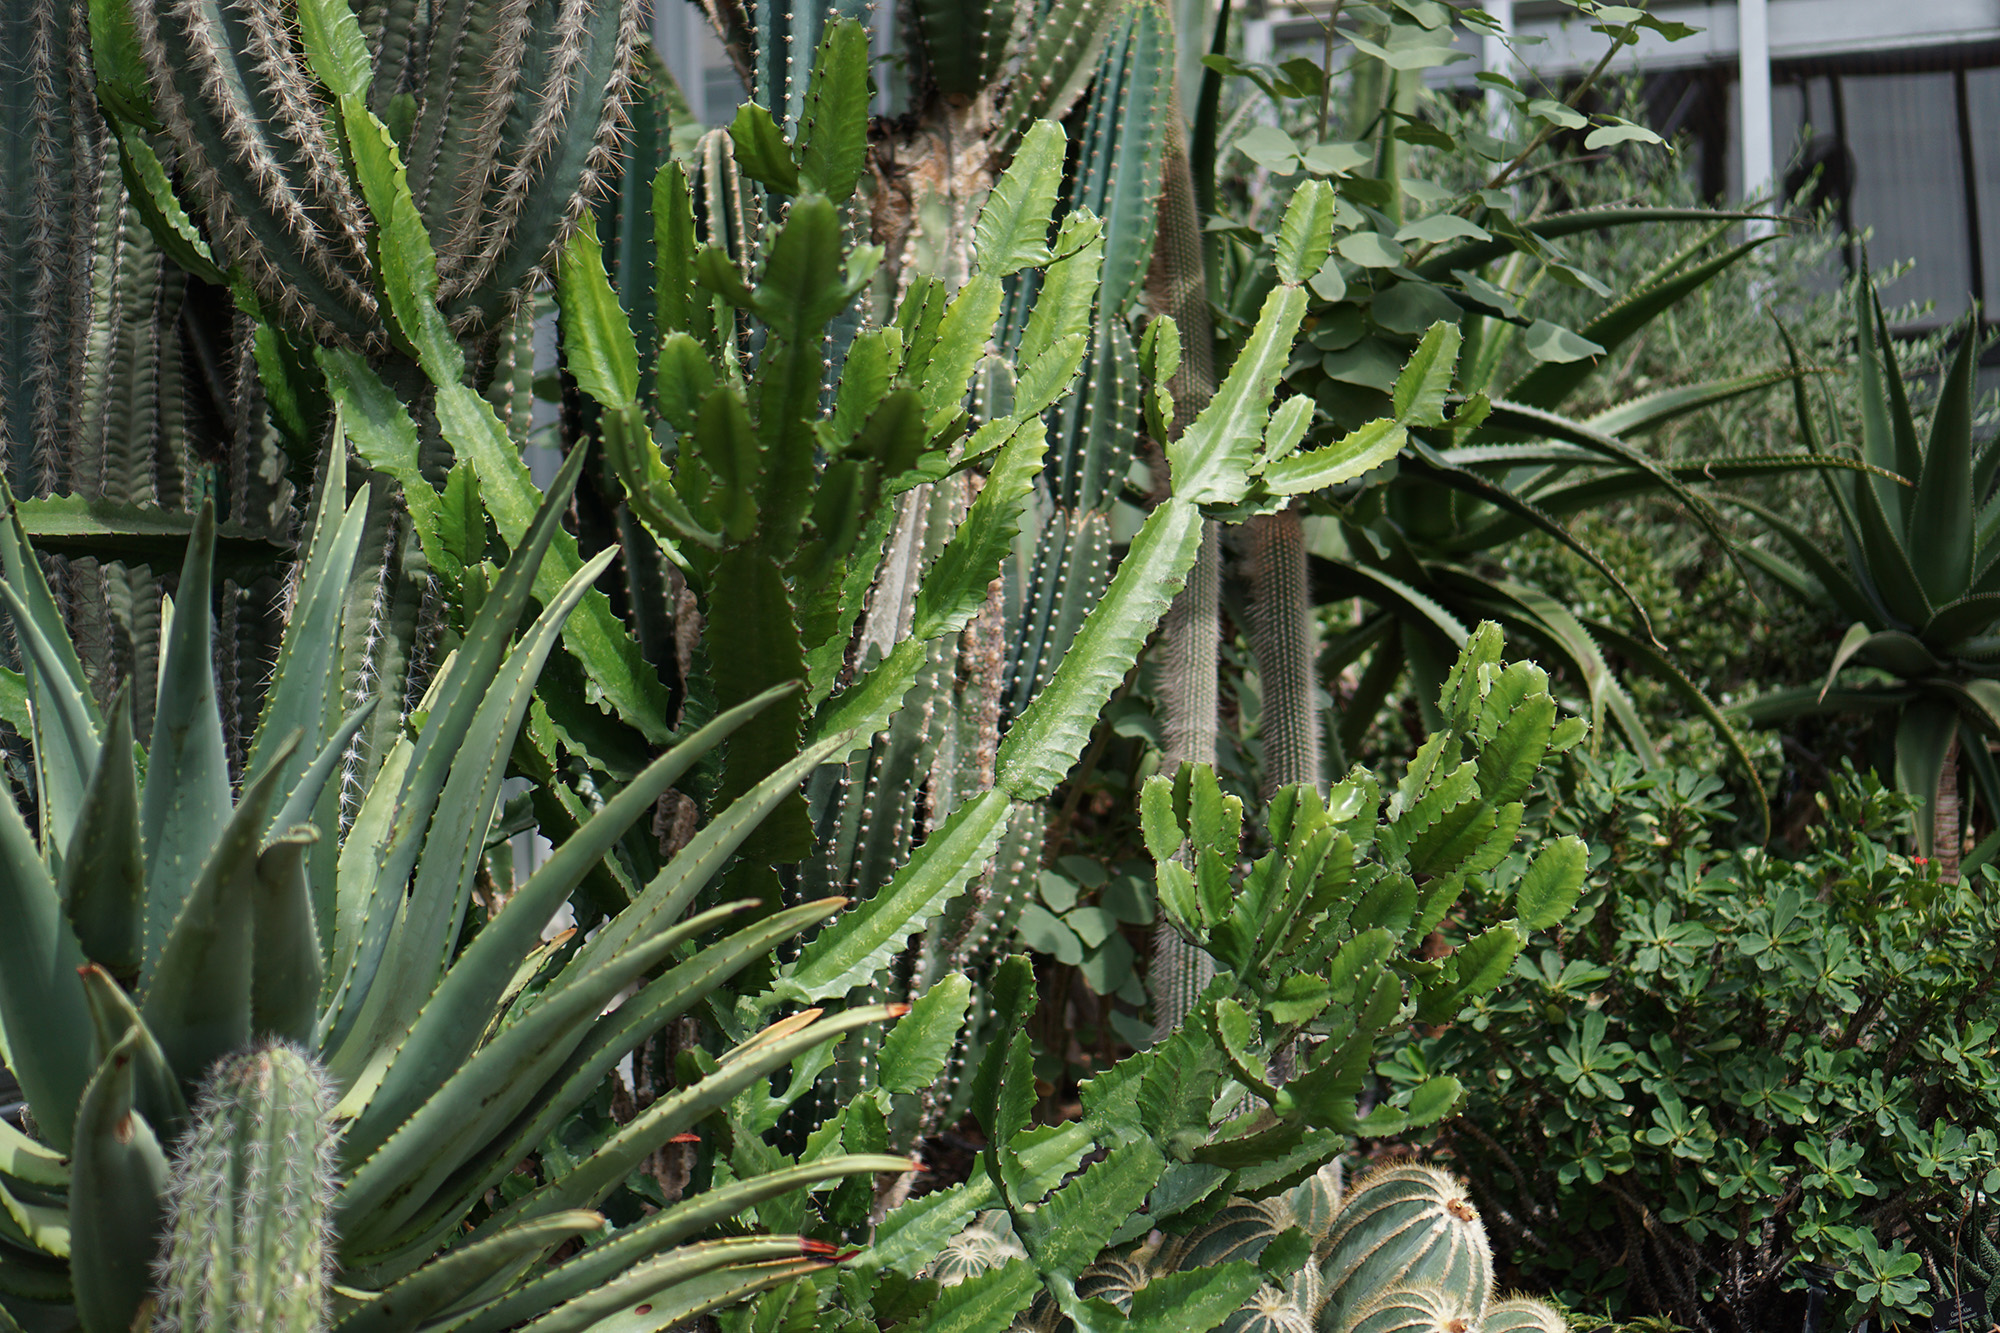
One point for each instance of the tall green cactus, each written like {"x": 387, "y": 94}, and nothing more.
{"x": 249, "y": 1243}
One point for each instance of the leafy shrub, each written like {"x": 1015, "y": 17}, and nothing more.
{"x": 1731, "y": 1069}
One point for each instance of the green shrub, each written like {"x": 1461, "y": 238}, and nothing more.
{"x": 1731, "y": 1066}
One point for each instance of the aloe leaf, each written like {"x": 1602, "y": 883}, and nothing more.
{"x": 156, "y": 1092}
{"x": 1942, "y": 543}
{"x": 852, "y": 950}
{"x": 670, "y": 891}
{"x": 1837, "y": 583}
{"x": 41, "y": 1000}
{"x": 620, "y": 1155}
{"x": 198, "y": 984}
{"x": 393, "y": 1181}
{"x": 453, "y": 1019}
{"x": 1012, "y": 232}
{"x": 609, "y": 1040}
{"x": 373, "y": 869}
{"x": 1650, "y": 411}
{"x": 305, "y": 795}
{"x": 63, "y": 723}
{"x": 1047, "y": 739}
{"x": 1962, "y": 619}
{"x": 665, "y": 1292}
{"x": 1554, "y": 226}
{"x": 185, "y": 806}
{"x": 1550, "y": 383}
{"x": 441, "y": 890}
{"x": 671, "y": 1225}
{"x": 289, "y": 966}
{"x": 303, "y": 682}
{"x": 449, "y": 1278}
{"x": 103, "y": 881}
{"x": 118, "y": 1185}
{"x": 1923, "y": 745}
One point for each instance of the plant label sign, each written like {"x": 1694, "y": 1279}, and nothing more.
{"x": 1966, "y": 1310}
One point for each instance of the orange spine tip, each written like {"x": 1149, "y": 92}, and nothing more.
{"x": 818, "y": 1249}
{"x": 689, "y": 1137}
{"x": 898, "y": 1010}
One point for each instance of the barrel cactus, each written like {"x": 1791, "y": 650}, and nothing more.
{"x": 1522, "y": 1314}
{"x": 1414, "y": 1310}
{"x": 1402, "y": 1226}
{"x": 250, "y": 1202}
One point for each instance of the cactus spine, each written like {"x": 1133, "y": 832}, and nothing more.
{"x": 1404, "y": 1226}
{"x": 249, "y": 1202}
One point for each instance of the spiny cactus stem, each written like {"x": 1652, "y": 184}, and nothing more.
{"x": 1281, "y": 636}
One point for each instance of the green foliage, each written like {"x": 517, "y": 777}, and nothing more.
{"x": 1731, "y": 1062}
{"x": 165, "y": 920}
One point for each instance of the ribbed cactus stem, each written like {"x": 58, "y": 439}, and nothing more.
{"x": 1401, "y": 1228}
{"x": 249, "y": 1205}
{"x": 1190, "y": 636}
{"x": 1522, "y": 1314}
{"x": 1281, "y": 635}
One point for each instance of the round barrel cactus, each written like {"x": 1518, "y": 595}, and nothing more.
{"x": 1522, "y": 1314}
{"x": 1400, "y": 1228}
{"x": 1416, "y": 1310}
{"x": 249, "y": 1201}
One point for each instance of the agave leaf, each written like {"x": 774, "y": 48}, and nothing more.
{"x": 1942, "y": 543}
{"x": 1965, "y": 618}
{"x": 447, "y": 1280}
{"x": 452, "y": 1020}
{"x": 852, "y": 950}
{"x": 118, "y": 1186}
{"x": 103, "y": 881}
{"x": 1846, "y": 594}
{"x": 42, "y": 1012}
{"x": 198, "y": 984}
{"x": 1893, "y": 651}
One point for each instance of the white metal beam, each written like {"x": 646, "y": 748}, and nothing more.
{"x": 1753, "y": 84}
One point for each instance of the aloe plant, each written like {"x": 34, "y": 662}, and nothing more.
{"x": 1916, "y": 583}
{"x": 166, "y": 921}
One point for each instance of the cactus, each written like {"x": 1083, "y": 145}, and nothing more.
{"x": 1401, "y": 1225}
{"x": 249, "y": 1234}
{"x": 1522, "y": 1314}
{"x": 1411, "y": 1310}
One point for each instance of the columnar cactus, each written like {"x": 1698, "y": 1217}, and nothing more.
{"x": 250, "y": 1199}
{"x": 1403, "y": 1226}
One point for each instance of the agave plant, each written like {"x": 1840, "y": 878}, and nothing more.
{"x": 166, "y": 919}
{"x": 1920, "y": 586}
